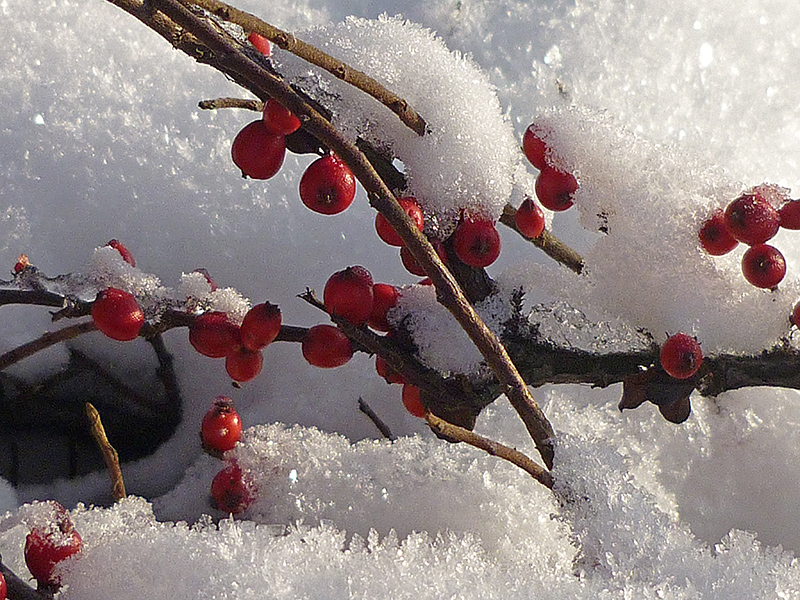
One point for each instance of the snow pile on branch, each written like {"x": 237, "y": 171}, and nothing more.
{"x": 467, "y": 158}
{"x": 647, "y": 266}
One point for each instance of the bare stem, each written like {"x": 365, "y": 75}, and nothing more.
{"x": 547, "y": 242}
{"x": 376, "y": 420}
{"x": 317, "y": 57}
{"x": 51, "y": 338}
{"x": 512, "y": 455}
{"x": 110, "y": 455}
{"x": 216, "y": 103}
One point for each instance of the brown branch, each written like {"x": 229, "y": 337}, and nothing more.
{"x": 254, "y": 105}
{"x": 228, "y": 58}
{"x": 317, "y": 57}
{"x": 110, "y": 455}
{"x": 547, "y": 242}
{"x": 18, "y": 589}
{"x": 51, "y": 338}
{"x": 376, "y": 420}
{"x": 40, "y": 297}
{"x": 512, "y": 455}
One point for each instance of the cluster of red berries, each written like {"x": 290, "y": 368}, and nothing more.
{"x": 231, "y": 489}
{"x": 753, "y": 219}
{"x": 476, "y": 241}
{"x": 555, "y": 188}
{"x": 117, "y": 314}
{"x": 47, "y": 545}
{"x": 352, "y": 295}
{"x": 327, "y": 186}
{"x": 216, "y": 335}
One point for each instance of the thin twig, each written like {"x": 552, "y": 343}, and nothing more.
{"x": 317, "y": 57}
{"x": 376, "y": 420}
{"x": 547, "y": 242}
{"x": 512, "y": 455}
{"x": 51, "y": 338}
{"x": 110, "y": 455}
{"x": 216, "y": 103}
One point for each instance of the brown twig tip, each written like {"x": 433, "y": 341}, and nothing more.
{"x": 110, "y": 455}
{"x": 512, "y": 455}
{"x": 47, "y": 340}
{"x": 376, "y": 420}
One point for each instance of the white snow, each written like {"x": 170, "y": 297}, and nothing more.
{"x": 663, "y": 110}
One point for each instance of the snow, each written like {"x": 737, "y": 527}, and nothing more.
{"x": 664, "y": 111}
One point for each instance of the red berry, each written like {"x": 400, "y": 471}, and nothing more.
{"x": 257, "y": 152}
{"x": 117, "y": 314}
{"x": 795, "y": 318}
{"x": 213, "y": 334}
{"x": 3, "y": 588}
{"x": 790, "y": 215}
{"x": 714, "y": 235}
{"x": 328, "y": 185}
{"x": 535, "y": 148}
{"x": 348, "y": 294}
{"x": 530, "y": 219}
{"x": 232, "y": 490}
{"x": 124, "y": 252}
{"x": 243, "y": 364}
{"x": 259, "y": 42}
{"x": 763, "y": 266}
{"x": 222, "y": 426}
{"x": 384, "y": 297}
{"x": 386, "y": 372}
{"x": 46, "y": 547}
{"x": 476, "y": 242}
{"x": 22, "y": 262}
{"x": 555, "y": 188}
{"x": 278, "y": 119}
{"x": 751, "y": 219}
{"x": 385, "y": 230}
{"x": 260, "y": 326}
{"x": 681, "y": 356}
{"x": 207, "y": 275}
{"x": 412, "y": 401}
{"x": 325, "y": 346}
